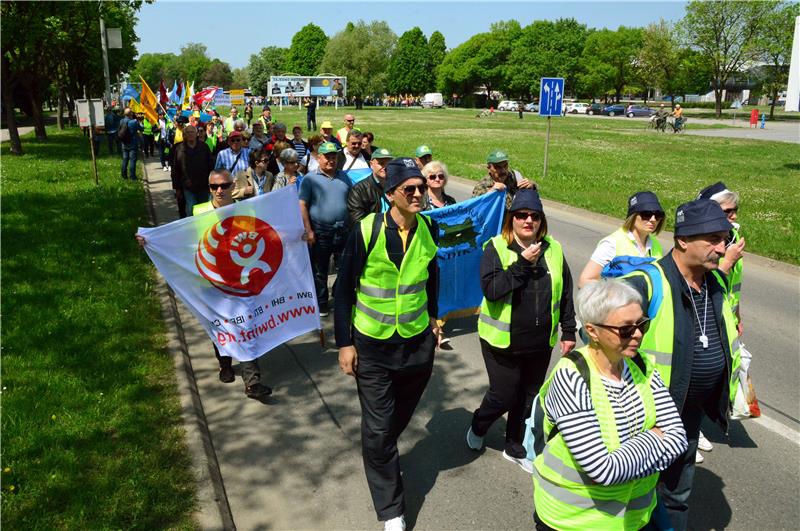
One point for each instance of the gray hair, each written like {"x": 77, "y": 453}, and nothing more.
{"x": 726, "y": 196}
{"x": 239, "y": 123}
{"x": 278, "y": 126}
{"x": 434, "y": 165}
{"x": 598, "y": 299}
{"x": 223, "y": 172}
{"x": 288, "y": 155}
{"x": 354, "y": 133}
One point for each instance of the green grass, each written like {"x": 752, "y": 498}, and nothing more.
{"x": 597, "y": 163}
{"x": 92, "y": 433}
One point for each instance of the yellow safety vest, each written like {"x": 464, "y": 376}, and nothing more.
{"x": 564, "y": 495}
{"x": 735, "y": 281}
{"x": 494, "y": 322}
{"x": 626, "y": 247}
{"x": 388, "y": 299}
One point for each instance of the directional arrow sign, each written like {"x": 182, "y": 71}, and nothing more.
{"x": 551, "y": 96}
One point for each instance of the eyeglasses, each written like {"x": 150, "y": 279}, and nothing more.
{"x": 436, "y": 176}
{"x": 224, "y": 186}
{"x": 730, "y": 210}
{"x": 234, "y": 140}
{"x": 411, "y": 188}
{"x": 627, "y": 331}
{"x": 523, "y": 216}
{"x": 350, "y": 121}
{"x": 647, "y": 214}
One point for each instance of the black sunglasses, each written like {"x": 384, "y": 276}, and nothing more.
{"x": 730, "y": 210}
{"x": 627, "y": 331}
{"x": 224, "y": 186}
{"x": 409, "y": 190}
{"x": 523, "y": 216}
{"x": 436, "y": 176}
{"x": 648, "y": 214}
{"x": 234, "y": 140}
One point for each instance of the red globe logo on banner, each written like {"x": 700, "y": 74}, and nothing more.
{"x": 239, "y": 255}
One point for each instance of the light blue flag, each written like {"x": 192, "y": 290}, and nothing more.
{"x": 356, "y": 176}
{"x": 130, "y": 93}
{"x": 173, "y": 94}
{"x": 463, "y": 229}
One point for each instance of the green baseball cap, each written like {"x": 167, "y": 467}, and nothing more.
{"x": 327, "y": 147}
{"x": 382, "y": 153}
{"x": 497, "y": 156}
{"x": 424, "y": 150}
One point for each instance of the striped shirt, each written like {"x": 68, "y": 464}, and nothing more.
{"x": 226, "y": 157}
{"x": 708, "y": 364}
{"x": 300, "y": 148}
{"x": 569, "y": 406}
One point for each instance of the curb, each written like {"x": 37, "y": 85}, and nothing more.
{"x": 213, "y": 511}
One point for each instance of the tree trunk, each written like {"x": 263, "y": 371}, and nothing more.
{"x": 774, "y": 98}
{"x": 38, "y": 117}
{"x": 718, "y": 102}
{"x": 8, "y": 104}
{"x": 60, "y": 114}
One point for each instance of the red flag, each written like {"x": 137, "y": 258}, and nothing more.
{"x": 204, "y": 96}
{"x": 163, "y": 99}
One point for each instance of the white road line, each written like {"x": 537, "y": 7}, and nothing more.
{"x": 778, "y": 427}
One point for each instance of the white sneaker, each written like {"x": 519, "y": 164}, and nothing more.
{"x": 398, "y": 523}
{"x": 524, "y": 464}
{"x": 164, "y": 169}
{"x": 473, "y": 441}
{"x": 704, "y": 444}
{"x": 698, "y": 458}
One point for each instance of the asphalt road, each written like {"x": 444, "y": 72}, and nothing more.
{"x": 294, "y": 461}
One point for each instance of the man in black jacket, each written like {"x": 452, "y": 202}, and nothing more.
{"x": 368, "y": 196}
{"x": 192, "y": 164}
{"x": 702, "y": 365}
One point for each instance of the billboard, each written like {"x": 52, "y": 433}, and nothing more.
{"x": 299, "y": 86}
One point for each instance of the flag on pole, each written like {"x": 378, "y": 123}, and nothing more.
{"x": 463, "y": 229}
{"x": 149, "y": 103}
{"x": 173, "y": 94}
{"x": 204, "y": 96}
{"x": 134, "y": 106}
{"x": 163, "y": 98}
{"x": 179, "y": 94}
{"x": 243, "y": 270}
{"x": 187, "y": 98}
{"x": 129, "y": 93}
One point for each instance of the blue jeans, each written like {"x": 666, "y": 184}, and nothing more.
{"x": 329, "y": 241}
{"x": 191, "y": 199}
{"x": 113, "y": 142}
{"x": 129, "y": 156}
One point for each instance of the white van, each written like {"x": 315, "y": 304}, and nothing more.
{"x": 433, "y": 99}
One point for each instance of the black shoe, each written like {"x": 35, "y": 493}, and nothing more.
{"x": 257, "y": 390}
{"x": 226, "y": 375}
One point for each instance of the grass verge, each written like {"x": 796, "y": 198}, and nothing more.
{"x": 92, "y": 433}
{"x": 597, "y": 163}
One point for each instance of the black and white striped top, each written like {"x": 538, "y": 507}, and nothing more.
{"x": 569, "y": 406}
{"x": 708, "y": 363}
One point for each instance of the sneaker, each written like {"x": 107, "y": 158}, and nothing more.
{"x": 704, "y": 444}
{"x": 257, "y": 390}
{"x": 698, "y": 458}
{"x": 398, "y": 523}
{"x": 524, "y": 464}
{"x": 473, "y": 441}
{"x": 226, "y": 374}
{"x": 164, "y": 169}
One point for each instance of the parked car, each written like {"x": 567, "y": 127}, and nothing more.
{"x": 614, "y": 110}
{"x": 639, "y": 110}
{"x": 532, "y": 107}
{"x": 433, "y": 99}
{"x": 577, "y": 107}
{"x": 594, "y": 108}
{"x": 508, "y": 105}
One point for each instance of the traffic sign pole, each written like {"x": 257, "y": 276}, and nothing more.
{"x": 546, "y": 148}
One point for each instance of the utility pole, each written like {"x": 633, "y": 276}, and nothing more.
{"x": 104, "y": 43}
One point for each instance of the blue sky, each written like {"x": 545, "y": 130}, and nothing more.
{"x": 254, "y": 25}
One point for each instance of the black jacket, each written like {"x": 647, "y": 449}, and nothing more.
{"x": 683, "y": 342}
{"x": 364, "y": 198}
{"x": 341, "y": 160}
{"x": 191, "y": 166}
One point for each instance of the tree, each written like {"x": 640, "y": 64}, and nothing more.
{"x": 194, "y": 61}
{"x": 269, "y": 61}
{"x": 306, "y": 51}
{"x": 660, "y": 58}
{"x": 608, "y": 60}
{"x": 241, "y": 78}
{"x": 154, "y": 67}
{"x": 437, "y": 49}
{"x": 218, "y": 73}
{"x": 361, "y": 52}
{"x": 775, "y": 45}
{"x": 410, "y": 64}
{"x": 726, "y": 33}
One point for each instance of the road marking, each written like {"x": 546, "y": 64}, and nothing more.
{"x": 778, "y": 427}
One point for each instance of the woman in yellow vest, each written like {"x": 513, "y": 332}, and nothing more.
{"x": 385, "y": 323}
{"x": 527, "y": 291}
{"x": 636, "y": 237}
{"x": 609, "y": 423}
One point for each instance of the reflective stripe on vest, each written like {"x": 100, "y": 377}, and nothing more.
{"x": 735, "y": 281}
{"x": 388, "y": 299}
{"x": 626, "y": 247}
{"x": 564, "y": 495}
{"x": 494, "y": 321}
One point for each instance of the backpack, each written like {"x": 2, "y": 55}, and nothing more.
{"x": 123, "y": 133}
{"x": 620, "y": 266}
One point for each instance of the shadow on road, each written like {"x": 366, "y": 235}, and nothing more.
{"x": 709, "y": 508}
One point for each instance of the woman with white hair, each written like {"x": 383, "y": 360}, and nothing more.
{"x": 610, "y": 423}
{"x": 435, "y": 173}
{"x": 288, "y": 159}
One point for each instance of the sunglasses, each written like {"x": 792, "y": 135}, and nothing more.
{"x": 436, "y": 176}
{"x": 627, "y": 331}
{"x": 411, "y": 188}
{"x": 647, "y": 214}
{"x": 730, "y": 210}
{"x": 224, "y": 186}
{"x": 523, "y": 216}
{"x": 234, "y": 140}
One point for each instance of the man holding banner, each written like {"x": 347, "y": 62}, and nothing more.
{"x": 385, "y": 323}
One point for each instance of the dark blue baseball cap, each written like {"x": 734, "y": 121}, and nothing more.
{"x": 644, "y": 202}
{"x": 709, "y": 191}
{"x": 526, "y": 199}
{"x": 400, "y": 170}
{"x": 701, "y": 216}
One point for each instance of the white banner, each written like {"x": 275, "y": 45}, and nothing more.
{"x": 243, "y": 270}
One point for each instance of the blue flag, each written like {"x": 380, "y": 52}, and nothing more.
{"x": 129, "y": 93}
{"x": 356, "y": 176}
{"x": 463, "y": 229}
{"x": 173, "y": 94}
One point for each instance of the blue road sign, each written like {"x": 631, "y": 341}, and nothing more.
{"x": 551, "y": 96}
